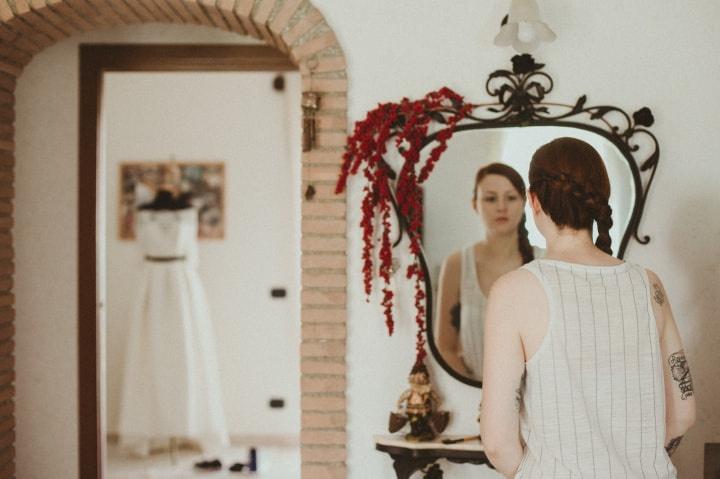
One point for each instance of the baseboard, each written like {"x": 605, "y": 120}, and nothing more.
{"x": 276, "y": 440}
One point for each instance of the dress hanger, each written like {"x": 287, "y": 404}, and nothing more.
{"x": 168, "y": 195}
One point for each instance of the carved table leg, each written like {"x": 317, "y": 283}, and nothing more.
{"x": 433, "y": 472}
{"x": 405, "y": 466}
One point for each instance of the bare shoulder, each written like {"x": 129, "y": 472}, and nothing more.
{"x": 514, "y": 281}
{"x": 519, "y": 298}
{"x": 452, "y": 262}
{"x": 519, "y": 290}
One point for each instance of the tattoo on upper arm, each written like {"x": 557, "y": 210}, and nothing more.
{"x": 673, "y": 444}
{"x": 681, "y": 373}
{"x": 658, "y": 294}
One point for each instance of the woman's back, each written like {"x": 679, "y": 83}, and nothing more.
{"x": 593, "y": 403}
{"x": 606, "y": 388}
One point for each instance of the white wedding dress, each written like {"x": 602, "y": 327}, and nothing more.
{"x": 171, "y": 387}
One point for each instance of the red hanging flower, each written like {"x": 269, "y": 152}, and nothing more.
{"x": 408, "y": 122}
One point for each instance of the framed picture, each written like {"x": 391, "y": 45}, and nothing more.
{"x": 205, "y": 181}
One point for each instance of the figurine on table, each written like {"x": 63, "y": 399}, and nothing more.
{"x": 421, "y": 408}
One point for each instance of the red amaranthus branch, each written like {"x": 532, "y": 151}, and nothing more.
{"x": 408, "y": 122}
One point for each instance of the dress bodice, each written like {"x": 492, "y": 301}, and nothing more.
{"x": 472, "y": 313}
{"x": 168, "y": 233}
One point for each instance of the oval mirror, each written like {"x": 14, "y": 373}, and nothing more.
{"x": 453, "y": 227}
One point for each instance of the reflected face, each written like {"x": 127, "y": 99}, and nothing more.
{"x": 499, "y": 204}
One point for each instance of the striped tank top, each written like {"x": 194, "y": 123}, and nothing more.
{"x": 593, "y": 395}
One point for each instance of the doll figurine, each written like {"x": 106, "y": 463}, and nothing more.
{"x": 420, "y": 408}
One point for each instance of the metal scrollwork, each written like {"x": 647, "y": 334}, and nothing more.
{"x": 519, "y": 91}
{"x": 520, "y": 99}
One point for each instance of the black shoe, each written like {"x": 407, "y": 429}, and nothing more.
{"x": 237, "y": 467}
{"x": 209, "y": 465}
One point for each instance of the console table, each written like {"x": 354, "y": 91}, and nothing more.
{"x": 409, "y": 457}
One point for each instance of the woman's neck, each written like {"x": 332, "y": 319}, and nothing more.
{"x": 570, "y": 243}
{"x": 501, "y": 245}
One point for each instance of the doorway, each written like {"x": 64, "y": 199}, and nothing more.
{"x": 40, "y": 278}
{"x": 105, "y": 70}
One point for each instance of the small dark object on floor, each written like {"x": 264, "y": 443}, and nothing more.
{"x": 209, "y": 465}
{"x": 237, "y": 467}
{"x": 252, "y": 460}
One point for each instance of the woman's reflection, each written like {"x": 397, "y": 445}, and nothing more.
{"x": 468, "y": 274}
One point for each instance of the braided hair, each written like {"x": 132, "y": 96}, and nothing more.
{"x": 516, "y": 180}
{"x": 571, "y": 182}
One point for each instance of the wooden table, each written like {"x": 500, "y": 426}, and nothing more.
{"x": 409, "y": 457}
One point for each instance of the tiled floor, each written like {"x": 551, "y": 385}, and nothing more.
{"x": 274, "y": 462}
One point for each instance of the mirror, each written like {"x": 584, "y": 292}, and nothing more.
{"x": 454, "y": 227}
{"x": 420, "y": 158}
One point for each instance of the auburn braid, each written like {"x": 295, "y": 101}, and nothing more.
{"x": 524, "y": 245}
{"x": 585, "y": 204}
{"x": 604, "y": 222}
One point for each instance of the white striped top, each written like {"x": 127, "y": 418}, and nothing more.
{"x": 593, "y": 396}
{"x": 472, "y": 313}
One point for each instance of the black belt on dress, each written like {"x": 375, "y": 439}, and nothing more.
{"x": 164, "y": 259}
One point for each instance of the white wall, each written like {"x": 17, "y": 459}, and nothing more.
{"x": 630, "y": 54}
{"x": 239, "y": 119}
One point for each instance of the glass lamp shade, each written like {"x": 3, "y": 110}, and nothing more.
{"x": 524, "y": 31}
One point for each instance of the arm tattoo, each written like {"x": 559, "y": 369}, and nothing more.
{"x": 673, "y": 444}
{"x": 681, "y": 373}
{"x": 658, "y": 294}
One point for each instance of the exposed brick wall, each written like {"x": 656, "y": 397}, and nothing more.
{"x": 294, "y": 27}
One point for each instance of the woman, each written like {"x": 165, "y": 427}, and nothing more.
{"x": 466, "y": 275}
{"x": 584, "y": 370}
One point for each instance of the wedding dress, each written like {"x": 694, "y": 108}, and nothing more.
{"x": 171, "y": 387}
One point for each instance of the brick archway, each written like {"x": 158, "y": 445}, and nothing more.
{"x": 294, "y": 27}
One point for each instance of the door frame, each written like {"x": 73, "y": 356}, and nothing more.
{"x": 95, "y": 60}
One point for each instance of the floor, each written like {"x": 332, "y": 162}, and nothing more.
{"x": 274, "y": 462}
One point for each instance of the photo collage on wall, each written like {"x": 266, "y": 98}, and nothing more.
{"x": 205, "y": 181}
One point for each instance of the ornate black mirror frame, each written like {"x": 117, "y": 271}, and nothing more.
{"x": 520, "y": 101}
